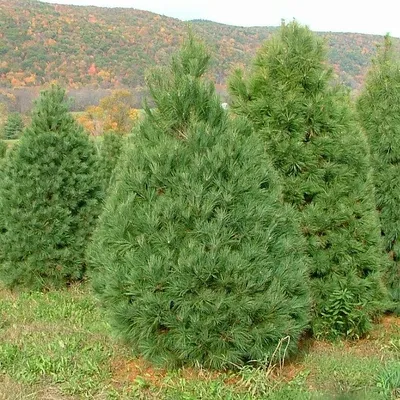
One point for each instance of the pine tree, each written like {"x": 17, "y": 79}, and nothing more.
{"x": 379, "y": 113}
{"x": 110, "y": 151}
{"x": 312, "y": 138}
{"x": 49, "y": 197}
{"x": 13, "y": 126}
{"x": 195, "y": 258}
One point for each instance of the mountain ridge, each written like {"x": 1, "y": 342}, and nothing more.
{"x": 98, "y": 47}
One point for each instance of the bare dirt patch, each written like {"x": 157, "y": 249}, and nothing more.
{"x": 390, "y": 323}
{"x": 129, "y": 371}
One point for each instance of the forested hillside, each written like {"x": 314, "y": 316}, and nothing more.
{"x": 107, "y": 48}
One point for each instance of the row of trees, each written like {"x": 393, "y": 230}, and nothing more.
{"x": 224, "y": 235}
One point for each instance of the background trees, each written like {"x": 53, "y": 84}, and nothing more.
{"x": 195, "y": 259}
{"x": 49, "y": 196}
{"x": 311, "y": 136}
{"x": 114, "y": 113}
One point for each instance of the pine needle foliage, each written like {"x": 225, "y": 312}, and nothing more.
{"x": 196, "y": 260}
{"x": 313, "y": 140}
{"x": 49, "y": 197}
{"x": 379, "y": 113}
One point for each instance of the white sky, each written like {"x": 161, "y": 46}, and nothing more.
{"x": 363, "y": 16}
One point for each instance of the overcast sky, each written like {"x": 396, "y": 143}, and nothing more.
{"x": 363, "y": 16}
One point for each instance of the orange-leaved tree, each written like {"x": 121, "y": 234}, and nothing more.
{"x": 114, "y": 113}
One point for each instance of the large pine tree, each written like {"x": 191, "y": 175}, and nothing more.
{"x": 379, "y": 111}
{"x": 49, "y": 196}
{"x": 311, "y": 136}
{"x": 195, "y": 258}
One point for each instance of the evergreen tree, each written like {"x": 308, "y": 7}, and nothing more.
{"x": 49, "y": 198}
{"x": 195, "y": 258}
{"x": 13, "y": 126}
{"x": 313, "y": 140}
{"x": 379, "y": 112}
{"x": 110, "y": 152}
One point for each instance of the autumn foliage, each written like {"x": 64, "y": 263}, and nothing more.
{"x": 114, "y": 113}
{"x": 99, "y": 47}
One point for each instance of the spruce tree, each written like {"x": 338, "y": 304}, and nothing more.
{"x": 195, "y": 258}
{"x": 379, "y": 113}
{"x": 315, "y": 144}
{"x": 49, "y": 196}
{"x": 13, "y": 126}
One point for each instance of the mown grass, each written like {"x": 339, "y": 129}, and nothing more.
{"x": 57, "y": 345}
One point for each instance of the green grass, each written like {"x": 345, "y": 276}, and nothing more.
{"x": 57, "y": 345}
{"x": 11, "y": 142}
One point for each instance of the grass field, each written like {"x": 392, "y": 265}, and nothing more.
{"x": 11, "y": 142}
{"x": 58, "y": 345}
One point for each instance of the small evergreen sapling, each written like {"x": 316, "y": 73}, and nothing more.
{"x": 379, "y": 113}
{"x": 13, "y": 126}
{"x": 315, "y": 144}
{"x": 195, "y": 258}
{"x": 110, "y": 151}
{"x": 49, "y": 197}
{"x": 3, "y": 148}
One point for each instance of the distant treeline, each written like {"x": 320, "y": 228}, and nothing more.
{"x": 22, "y": 99}
{"x": 108, "y": 48}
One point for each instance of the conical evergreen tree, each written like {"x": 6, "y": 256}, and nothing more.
{"x": 49, "y": 197}
{"x": 195, "y": 259}
{"x": 13, "y": 126}
{"x": 311, "y": 136}
{"x": 379, "y": 112}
